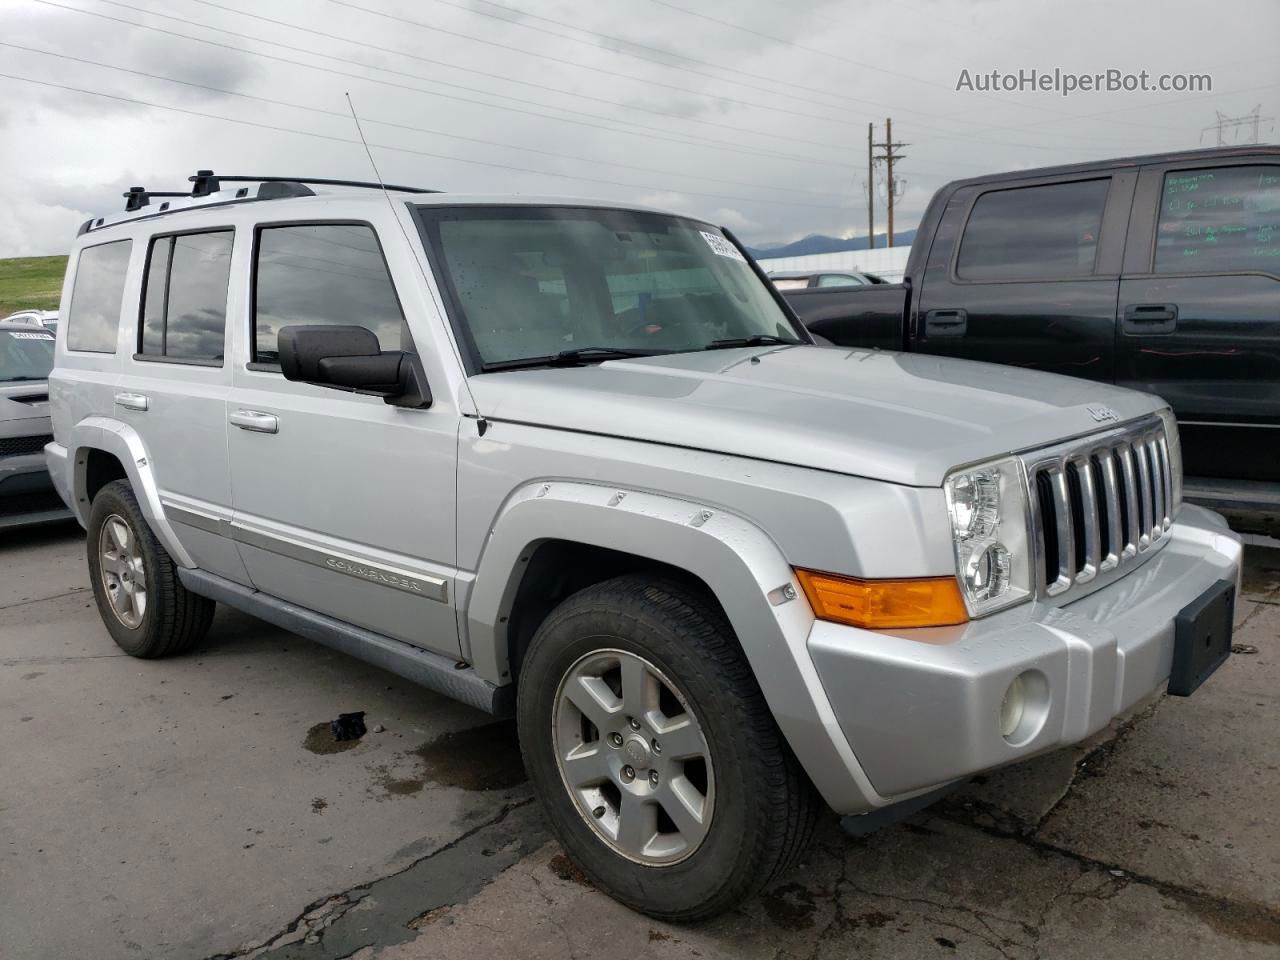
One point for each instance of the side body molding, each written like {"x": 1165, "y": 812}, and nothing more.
{"x": 122, "y": 441}
{"x": 738, "y": 561}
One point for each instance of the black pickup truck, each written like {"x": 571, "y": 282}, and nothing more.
{"x": 1160, "y": 273}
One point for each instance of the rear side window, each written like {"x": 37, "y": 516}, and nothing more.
{"x": 1221, "y": 220}
{"x": 184, "y": 306}
{"x": 327, "y": 273}
{"x": 1048, "y": 232}
{"x": 96, "y": 297}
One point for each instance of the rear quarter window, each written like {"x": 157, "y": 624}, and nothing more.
{"x": 96, "y": 297}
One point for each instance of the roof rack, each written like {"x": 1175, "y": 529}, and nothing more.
{"x": 206, "y": 183}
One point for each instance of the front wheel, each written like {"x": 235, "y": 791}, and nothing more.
{"x": 657, "y": 761}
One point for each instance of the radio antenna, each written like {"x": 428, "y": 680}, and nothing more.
{"x": 377, "y": 174}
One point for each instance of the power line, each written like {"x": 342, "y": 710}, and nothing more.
{"x": 386, "y": 146}
{"x": 524, "y": 16}
{"x": 387, "y": 123}
{"x": 789, "y": 111}
{"x": 417, "y": 76}
{"x": 527, "y": 83}
{"x": 688, "y": 140}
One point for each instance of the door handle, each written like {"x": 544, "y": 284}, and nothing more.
{"x": 256, "y": 421}
{"x": 132, "y": 401}
{"x": 1148, "y": 319}
{"x": 946, "y": 323}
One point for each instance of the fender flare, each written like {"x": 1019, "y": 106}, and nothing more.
{"x": 121, "y": 441}
{"x": 737, "y": 560}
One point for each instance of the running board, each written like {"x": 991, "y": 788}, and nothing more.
{"x": 430, "y": 670}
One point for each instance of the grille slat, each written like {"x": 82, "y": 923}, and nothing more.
{"x": 1098, "y": 504}
{"x": 1090, "y": 523}
{"x": 1111, "y": 491}
{"x": 17, "y": 446}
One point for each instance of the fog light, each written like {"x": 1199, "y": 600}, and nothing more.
{"x": 1025, "y": 708}
{"x": 1012, "y": 707}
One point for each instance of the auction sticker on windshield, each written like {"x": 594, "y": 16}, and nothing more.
{"x": 722, "y": 247}
{"x": 30, "y": 336}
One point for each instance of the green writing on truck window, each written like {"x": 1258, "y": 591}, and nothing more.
{"x": 1221, "y": 220}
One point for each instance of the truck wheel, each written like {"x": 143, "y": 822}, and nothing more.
{"x": 656, "y": 760}
{"x": 147, "y": 611}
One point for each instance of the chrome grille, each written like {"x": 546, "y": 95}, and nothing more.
{"x": 1100, "y": 506}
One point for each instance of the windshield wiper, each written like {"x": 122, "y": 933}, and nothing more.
{"x": 755, "y": 340}
{"x": 24, "y": 378}
{"x": 569, "y": 358}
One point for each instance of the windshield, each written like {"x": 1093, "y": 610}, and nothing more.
{"x": 25, "y": 355}
{"x": 540, "y": 282}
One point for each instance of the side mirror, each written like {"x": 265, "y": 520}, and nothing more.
{"x": 349, "y": 358}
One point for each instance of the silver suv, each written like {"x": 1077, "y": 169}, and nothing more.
{"x": 580, "y": 462}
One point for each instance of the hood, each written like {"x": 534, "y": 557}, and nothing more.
{"x": 24, "y": 400}
{"x": 901, "y": 417}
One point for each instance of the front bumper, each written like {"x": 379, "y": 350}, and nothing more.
{"x": 922, "y": 707}
{"x": 27, "y": 493}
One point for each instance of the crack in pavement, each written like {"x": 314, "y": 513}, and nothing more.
{"x": 1257, "y": 921}
{"x": 56, "y": 596}
{"x": 382, "y": 911}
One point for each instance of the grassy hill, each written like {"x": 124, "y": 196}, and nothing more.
{"x": 31, "y": 283}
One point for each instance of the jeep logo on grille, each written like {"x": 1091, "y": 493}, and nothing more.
{"x": 1103, "y": 414}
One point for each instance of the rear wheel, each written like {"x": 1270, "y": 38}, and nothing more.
{"x": 145, "y": 608}
{"x": 655, "y": 757}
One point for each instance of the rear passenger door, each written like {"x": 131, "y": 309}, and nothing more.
{"x": 1027, "y": 275}
{"x": 173, "y": 389}
{"x": 343, "y": 504}
{"x": 1200, "y": 310}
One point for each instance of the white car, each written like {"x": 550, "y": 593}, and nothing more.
{"x": 39, "y": 318}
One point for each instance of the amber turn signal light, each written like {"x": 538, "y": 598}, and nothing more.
{"x": 880, "y": 604}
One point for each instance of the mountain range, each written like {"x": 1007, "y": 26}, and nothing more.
{"x": 821, "y": 243}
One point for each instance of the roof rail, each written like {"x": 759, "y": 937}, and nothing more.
{"x": 206, "y": 182}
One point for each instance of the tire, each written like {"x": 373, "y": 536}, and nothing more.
{"x": 762, "y": 806}
{"x": 122, "y": 551}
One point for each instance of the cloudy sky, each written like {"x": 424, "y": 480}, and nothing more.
{"x": 748, "y": 112}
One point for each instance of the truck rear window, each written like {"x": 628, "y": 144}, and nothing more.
{"x": 1047, "y": 232}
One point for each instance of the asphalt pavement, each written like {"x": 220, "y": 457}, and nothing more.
{"x": 197, "y": 808}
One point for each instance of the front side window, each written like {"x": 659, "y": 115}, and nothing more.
{"x": 185, "y": 301}
{"x": 96, "y": 297}
{"x": 535, "y": 282}
{"x": 323, "y": 274}
{"x": 1047, "y": 232}
{"x": 1221, "y": 220}
{"x": 25, "y": 355}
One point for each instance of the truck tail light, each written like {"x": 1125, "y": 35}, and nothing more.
{"x": 882, "y": 604}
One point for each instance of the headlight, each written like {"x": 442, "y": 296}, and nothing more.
{"x": 988, "y": 509}
{"x": 1175, "y": 457}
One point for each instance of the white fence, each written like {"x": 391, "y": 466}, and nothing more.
{"x": 887, "y": 262}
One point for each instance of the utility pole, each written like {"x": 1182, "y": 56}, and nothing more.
{"x": 891, "y": 153}
{"x": 871, "y": 188}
